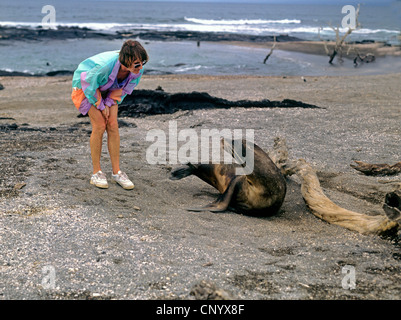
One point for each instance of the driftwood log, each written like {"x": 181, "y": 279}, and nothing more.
{"x": 321, "y": 206}
{"x": 377, "y": 169}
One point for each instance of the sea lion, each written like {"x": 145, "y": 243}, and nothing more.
{"x": 259, "y": 193}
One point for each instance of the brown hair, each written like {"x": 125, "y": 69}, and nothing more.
{"x": 130, "y": 51}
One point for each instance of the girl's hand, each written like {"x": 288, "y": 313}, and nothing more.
{"x": 106, "y": 113}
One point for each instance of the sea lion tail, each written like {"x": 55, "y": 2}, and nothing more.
{"x": 182, "y": 172}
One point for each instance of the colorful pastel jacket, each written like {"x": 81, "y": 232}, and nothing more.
{"x": 95, "y": 82}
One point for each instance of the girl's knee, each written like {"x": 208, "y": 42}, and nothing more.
{"x": 97, "y": 120}
{"x": 99, "y": 126}
{"x": 112, "y": 125}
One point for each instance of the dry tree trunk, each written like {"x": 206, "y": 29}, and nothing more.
{"x": 319, "y": 204}
{"x": 338, "y": 47}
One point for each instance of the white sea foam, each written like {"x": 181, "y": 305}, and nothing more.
{"x": 186, "y": 69}
{"x": 19, "y": 24}
{"x": 241, "y": 21}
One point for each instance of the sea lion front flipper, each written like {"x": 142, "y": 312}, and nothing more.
{"x": 223, "y": 201}
{"x": 182, "y": 172}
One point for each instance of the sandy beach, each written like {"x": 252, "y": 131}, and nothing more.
{"x": 64, "y": 239}
{"x": 144, "y": 244}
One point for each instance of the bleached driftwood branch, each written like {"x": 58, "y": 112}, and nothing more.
{"x": 319, "y": 204}
{"x": 324, "y": 42}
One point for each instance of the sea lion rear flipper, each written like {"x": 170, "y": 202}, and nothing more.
{"x": 216, "y": 206}
{"x": 222, "y": 202}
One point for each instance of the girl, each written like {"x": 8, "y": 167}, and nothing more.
{"x": 99, "y": 85}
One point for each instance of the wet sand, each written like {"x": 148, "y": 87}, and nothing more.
{"x": 144, "y": 244}
{"x": 378, "y": 49}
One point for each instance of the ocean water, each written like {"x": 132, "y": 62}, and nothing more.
{"x": 378, "y": 22}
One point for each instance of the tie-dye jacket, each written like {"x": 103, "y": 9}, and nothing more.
{"x": 95, "y": 82}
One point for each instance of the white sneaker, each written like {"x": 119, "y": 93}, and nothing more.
{"x": 122, "y": 179}
{"x": 99, "y": 180}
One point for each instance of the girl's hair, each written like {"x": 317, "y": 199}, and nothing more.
{"x": 130, "y": 51}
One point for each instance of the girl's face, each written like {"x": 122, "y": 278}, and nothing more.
{"x": 134, "y": 68}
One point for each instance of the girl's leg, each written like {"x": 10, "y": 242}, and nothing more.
{"x": 113, "y": 142}
{"x": 113, "y": 139}
{"x": 98, "y": 127}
